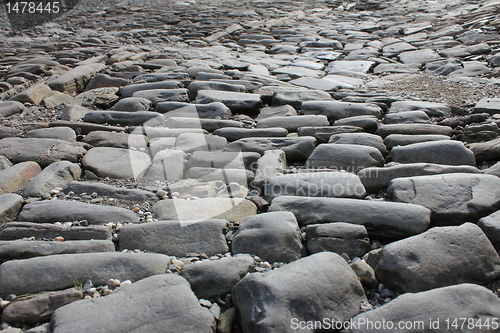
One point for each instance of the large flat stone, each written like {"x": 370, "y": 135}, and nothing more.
{"x": 440, "y": 257}
{"x": 446, "y": 152}
{"x": 70, "y": 211}
{"x": 58, "y": 174}
{"x": 453, "y": 198}
{"x": 75, "y": 79}
{"x": 434, "y": 310}
{"x": 176, "y": 238}
{"x": 42, "y": 151}
{"x": 347, "y": 157}
{"x": 61, "y": 271}
{"x": 381, "y": 219}
{"x": 153, "y": 296}
{"x": 309, "y": 289}
{"x": 315, "y": 184}
{"x": 377, "y": 179}
{"x": 295, "y": 148}
{"x": 20, "y": 230}
{"x": 116, "y": 162}
{"x": 335, "y": 110}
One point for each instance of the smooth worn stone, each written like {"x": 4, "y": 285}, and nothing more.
{"x": 129, "y": 90}
{"x": 394, "y": 140}
{"x": 491, "y": 228}
{"x": 276, "y": 111}
{"x": 295, "y": 148}
{"x": 233, "y": 134}
{"x": 407, "y": 117}
{"x": 158, "y": 144}
{"x": 493, "y": 170}
{"x": 378, "y": 179}
{"x": 37, "y": 308}
{"x": 61, "y": 133}
{"x": 271, "y": 164}
{"x": 100, "y": 98}
{"x": 115, "y": 140}
{"x": 414, "y": 129}
{"x": 116, "y": 162}
{"x": 348, "y": 238}
{"x": 488, "y": 105}
{"x": 297, "y": 98}
{"x": 434, "y": 309}
{"x": 71, "y": 211}
{"x": 485, "y": 151}
{"x": 163, "y": 95}
{"x": 167, "y": 165}
{"x": 347, "y": 157}
{"x": 190, "y": 142}
{"x": 443, "y": 67}
{"x": 238, "y": 102}
{"x": 322, "y": 134}
{"x": 315, "y": 184}
{"x": 132, "y": 104}
{"x": 16, "y": 177}
{"x": 292, "y": 123}
{"x": 20, "y": 230}
{"x": 323, "y": 84}
{"x": 104, "y": 80}
{"x": 419, "y": 57}
{"x": 453, "y": 198}
{"x": 8, "y": 108}
{"x": 122, "y": 118}
{"x": 217, "y": 159}
{"x": 471, "y": 69}
{"x": 196, "y": 86}
{"x": 34, "y": 94}
{"x": 362, "y": 139}
{"x": 56, "y": 175}
{"x": 62, "y": 270}
{"x": 157, "y": 77}
{"x": 215, "y": 110}
{"x": 106, "y": 190}
{"x": 209, "y": 125}
{"x": 21, "y": 249}
{"x": 369, "y": 124}
{"x": 42, "y": 151}
{"x": 382, "y": 219}
{"x": 216, "y": 278}
{"x": 397, "y": 48}
{"x": 336, "y": 110}
{"x": 365, "y": 273}
{"x": 230, "y": 209}
{"x": 274, "y": 237}
{"x": 75, "y": 79}
{"x": 10, "y": 205}
{"x": 153, "y": 295}
{"x": 8, "y": 132}
{"x": 324, "y": 283}
{"x": 440, "y": 257}
{"x": 176, "y": 238}
{"x": 83, "y": 128}
{"x": 358, "y": 66}
{"x": 56, "y": 98}
{"x": 430, "y": 108}
{"x": 296, "y": 72}
{"x": 446, "y": 152}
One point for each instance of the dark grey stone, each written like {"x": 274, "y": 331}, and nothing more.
{"x": 216, "y": 278}
{"x": 351, "y": 158}
{"x": 394, "y": 140}
{"x": 153, "y": 295}
{"x": 446, "y": 152}
{"x": 70, "y": 211}
{"x": 176, "y": 238}
{"x": 440, "y": 257}
{"x": 336, "y": 110}
{"x": 274, "y": 237}
{"x": 62, "y": 270}
{"x": 381, "y": 219}
{"x": 124, "y": 118}
{"x": 79, "y": 187}
{"x": 58, "y": 174}
{"x": 362, "y": 139}
{"x": 385, "y": 130}
{"x": 453, "y": 198}
{"x": 312, "y": 288}
{"x": 233, "y": 134}
{"x": 296, "y": 98}
{"x": 295, "y": 148}
{"x": 129, "y": 90}
{"x": 20, "y": 230}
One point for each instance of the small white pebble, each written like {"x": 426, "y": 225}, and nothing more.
{"x": 114, "y": 282}
{"x": 206, "y": 303}
{"x": 126, "y": 283}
